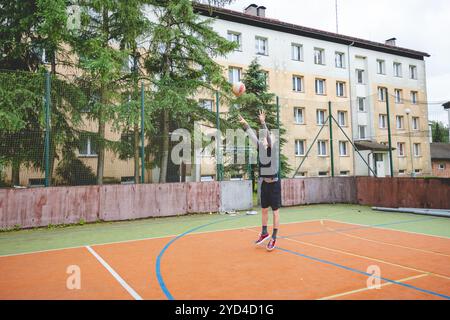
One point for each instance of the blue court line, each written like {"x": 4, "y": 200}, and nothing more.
{"x": 365, "y": 273}
{"x": 158, "y": 260}
{"x": 355, "y": 228}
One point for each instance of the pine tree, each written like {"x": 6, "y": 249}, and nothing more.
{"x": 258, "y": 98}
{"x": 183, "y": 47}
{"x": 29, "y": 32}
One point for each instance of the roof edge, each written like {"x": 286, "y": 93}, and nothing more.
{"x": 278, "y": 25}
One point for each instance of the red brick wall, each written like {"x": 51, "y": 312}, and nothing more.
{"x": 441, "y": 173}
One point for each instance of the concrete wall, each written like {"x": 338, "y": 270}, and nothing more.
{"x": 27, "y": 208}
{"x": 38, "y": 207}
{"x": 318, "y": 190}
{"x": 404, "y": 192}
{"x": 236, "y": 195}
{"x": 44, "y": 206}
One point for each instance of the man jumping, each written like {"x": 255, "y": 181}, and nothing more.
{"x": 268, "y": 178}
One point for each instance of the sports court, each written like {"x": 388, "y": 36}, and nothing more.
{"x": 324, "y": 252}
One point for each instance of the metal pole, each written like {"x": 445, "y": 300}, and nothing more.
{"x": 279, "y": 137}
{"x": 47, "y": 129}
{"x": 219, "y": 153}
{"x": 337, "y": 16}
{"x": 331, "y": 139}
{"x": 391, "y": 160}
{"x": 142, "y": 134}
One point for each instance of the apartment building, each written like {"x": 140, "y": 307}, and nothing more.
{"x": 309, "y": 68}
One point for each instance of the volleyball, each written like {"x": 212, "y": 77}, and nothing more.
{"x": 239, "y": 89}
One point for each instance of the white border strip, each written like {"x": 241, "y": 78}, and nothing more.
{"x": 142, "y": 239}
{"x": 119, "y": 279}
{"x": 383, "y": 228}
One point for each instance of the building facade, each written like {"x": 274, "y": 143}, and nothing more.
{"x": 309, "y": 68}
{"x": 440, "y": 158}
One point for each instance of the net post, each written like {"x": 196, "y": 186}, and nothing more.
{"x": 279, "y": 137}
{"x": 331, "y": 139}
{"x": 142, "y": 133}
{"x": 47, "y": 129}
{"x": 219, "y": 153}
{"x": 391, "y": 161}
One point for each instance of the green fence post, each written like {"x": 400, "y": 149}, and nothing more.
{"x": 219, "y": 151}
{"x": 331, "y": 139}
{"x": 47, "y": 129}
{"x": 142, "y": 134}
{"x": 279, "y": 137}
{"x": 391, "y": 160}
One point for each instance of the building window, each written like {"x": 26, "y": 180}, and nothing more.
{"x": 320, "y": 87}
{"x": 362, "y": 130}
{"x": 344, "y": 173}
{"x": 400, "y": 122}
{"x": 88, "y": 146}
{"x": 340, "y": 60}
{"x": 321, "y": 117}
{"x": 319, "y": 56}
{"x": 414, "y": 97}
{"x": 398, "y": 69}
{"x": 322, "y": 145}
{"x": 413, "y": 72}
{"x": 361, "y": 104}
{"x": 262, "y": 46}
{"x": 297, "y": 82}
{"x": 360, "y": 76}
{"x": 441, "y": 166}
{"x": 300, "y": 148}
{"x": 382, "y": 120}
{"x": 299, "y": 115}
{"x": 401, "y": 149}
{"x": 398, "y": 96}
{"x": 342, "y": 118}
{"x": 402, "y": 172}
{"x": 382, "y": 94}
{"x": 343, "y": 150}
{"x": 416, "y": 123}
{"x": 301, "y": 175}
{"x": 340, "y": 89}
{"x": 297, "y": 52}
{"x": 323, "y": 173}
{"x": 207, "y": 104}
{"x": 417, "y": 149}
{"x": 381, "y": 67}
{"x": 265, "y": 74}
{"x": 237, "y": 38}
{"x": 418, "y": 171}
{"x": 234, "y": 74}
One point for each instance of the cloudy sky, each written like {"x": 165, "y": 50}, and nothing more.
{"x": 417, "y": 24}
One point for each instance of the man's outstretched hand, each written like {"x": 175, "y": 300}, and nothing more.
{"x": 262, "y": 116}
{"x": 243, "y": 121}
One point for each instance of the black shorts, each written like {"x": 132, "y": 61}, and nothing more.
{"x": 271, "y": 195}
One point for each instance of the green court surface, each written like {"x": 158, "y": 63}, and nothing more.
{"x": 27, "y": 241}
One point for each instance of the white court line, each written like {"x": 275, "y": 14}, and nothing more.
{"x": 375, "y": 227}
{"x": 119, "y": 279}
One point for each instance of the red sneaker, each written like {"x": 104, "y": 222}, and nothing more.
{"x": 262, "y": 239}
{"x": 271, "y": 244}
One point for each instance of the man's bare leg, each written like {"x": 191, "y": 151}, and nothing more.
{"x": 276, "y": 223}
{"x": 265, "y": 219}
